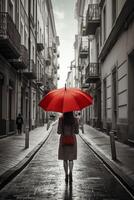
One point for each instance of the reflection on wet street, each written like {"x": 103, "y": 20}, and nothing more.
{"x": 44, "y": 177}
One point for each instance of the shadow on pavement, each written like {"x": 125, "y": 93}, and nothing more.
{"x": 68, "y": 192}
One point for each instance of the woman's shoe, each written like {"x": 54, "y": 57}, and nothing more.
{"x": 66, "y": 178}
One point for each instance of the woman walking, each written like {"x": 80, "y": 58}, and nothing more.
{"x": 67, "y": 128}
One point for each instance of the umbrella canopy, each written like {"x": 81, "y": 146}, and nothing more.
{"x": 65, "y": 100}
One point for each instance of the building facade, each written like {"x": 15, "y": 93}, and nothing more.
{"x": 109, "y": 26}
{"x": 117, "y": 73}
{"x": 24, "y": 42}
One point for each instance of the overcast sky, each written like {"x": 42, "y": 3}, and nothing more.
{"x": 66, "y": 27}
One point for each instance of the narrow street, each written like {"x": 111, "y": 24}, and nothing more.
{"x": 43, "y": 178}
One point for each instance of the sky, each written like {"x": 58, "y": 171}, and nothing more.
{"x": 66, "y": 28}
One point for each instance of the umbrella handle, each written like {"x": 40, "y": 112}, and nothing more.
{"x": 65, "y": 86}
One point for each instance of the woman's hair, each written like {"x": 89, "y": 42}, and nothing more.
{"x": 68, "y": 118}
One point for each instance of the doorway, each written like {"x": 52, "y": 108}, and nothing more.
{"x": 104, "y": 103}
{"x": 114, "y": 99}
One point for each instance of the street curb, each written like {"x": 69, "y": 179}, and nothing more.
{"x": 6, "y": 177}
{"x": 112, "y": 165}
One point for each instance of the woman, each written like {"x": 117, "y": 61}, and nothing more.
{"x": 68, "y": 126}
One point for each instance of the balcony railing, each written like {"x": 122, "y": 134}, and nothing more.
{"x": 92, "y": 18}
{"x": 22, "y": 61}
{"x": 30, "y": 73}
{"x": 92, "y": 73}
{"x": 9, "y": 37}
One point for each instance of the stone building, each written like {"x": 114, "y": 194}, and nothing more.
{"x": 23, "y": 61}
{"x": 116, "y": 63}
{"x": 109, "y": 26}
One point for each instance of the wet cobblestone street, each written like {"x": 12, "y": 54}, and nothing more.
{"x": 43, "y": 178}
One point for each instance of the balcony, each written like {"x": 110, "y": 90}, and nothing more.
{"x": 92, "y": 19}
{"x": 30, "y": 73}
{"x": 92, "y": 73}
{"x": 22, "y": 61}
{"x": 84, "y": 48}
{"x": 9, "y": 37}
{"x": 40, "y": 46}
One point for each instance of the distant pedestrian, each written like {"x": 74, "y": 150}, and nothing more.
{"x": 67, "y": 128}
{"x": 19, "y": 122}
{"x": 80, "y": 121}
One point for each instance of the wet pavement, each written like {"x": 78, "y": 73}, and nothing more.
{"x": 43, "y": 178}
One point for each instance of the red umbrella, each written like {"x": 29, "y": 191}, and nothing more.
{"x": 65, "y": 100}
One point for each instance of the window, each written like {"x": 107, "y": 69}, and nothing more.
{"x": 114, "y": 90}
{"x": 105, "y": 98}
{"x": 114, "y": 98}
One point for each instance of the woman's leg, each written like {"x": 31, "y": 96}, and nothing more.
{"x": 65, "y": 164}
{"x": 70, "y": 169}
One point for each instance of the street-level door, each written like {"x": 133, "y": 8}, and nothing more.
{"x": 114, "y": 100}
{"x": 131, "y": 97}
{"x": 104, "y": 103}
